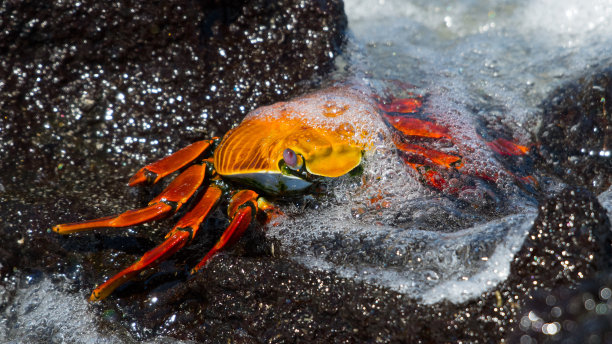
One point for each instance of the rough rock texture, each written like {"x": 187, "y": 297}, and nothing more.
{"x": 570, "y": 239}
{"x": 277, "y": 300}
{"x": 580, "y": 314}
{"x": 576, "y": 131}
{"x": 89, "y": 92}
{"x": 571, "y": 243}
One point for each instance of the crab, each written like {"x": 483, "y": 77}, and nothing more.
{"x": 283, "y": 150}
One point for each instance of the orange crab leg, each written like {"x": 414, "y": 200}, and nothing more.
{"x": 175, "y": 242}
{"x": 411, "y": 126}
{"x": 183, "y": 231}
{"x": 430, "y": 176}
{"x": 434, "y": 156}
{"x": 192, "y": 220}
{"x": 405, "y": 105}
{"x": 505, "y": 147}
{"x": 241, "y": 210}
{"x": 170, "y": 200}
{"x": 154, "y": 172}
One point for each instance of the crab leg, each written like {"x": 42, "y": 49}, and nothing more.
{"x": 170, "y": 200}
{"x": 154, "y": 172}
{"x": 177, "y": 240}
{"x": 505, "y": 147}
{"x": 430, "y": 176}
{"x": 241, "y": 210}
{"x": 402, "y": 105}
{"x": 182, "y": 232}
{"x": 432, "y": 156}
{"x": 411, "y": 126}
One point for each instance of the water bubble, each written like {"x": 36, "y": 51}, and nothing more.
{"x": 605, "y": 293}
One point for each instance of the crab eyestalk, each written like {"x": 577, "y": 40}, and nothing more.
{"x": 293, "y": 161}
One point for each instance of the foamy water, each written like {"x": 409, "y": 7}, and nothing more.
{"x": 493, "y": 60}
{"x": 387, "y": 229}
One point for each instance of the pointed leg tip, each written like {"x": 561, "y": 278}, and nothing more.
{"x": 60, "y": 229}
{"x": 144, "y": 176}
{"x": 198, "y": 267}
{"x": 95, "y": 296}
{"x": 101, "y": 292}
{"x": 138, "y": 178}
{"x": 69, "y": 228}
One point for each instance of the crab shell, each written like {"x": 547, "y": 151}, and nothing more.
{"x": 329, "y": 131}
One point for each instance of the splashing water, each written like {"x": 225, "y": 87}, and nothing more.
{"x": 493, "y": 61}
{"x": 384, "y": 227}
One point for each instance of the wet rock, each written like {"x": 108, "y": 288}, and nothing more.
{"x": 90, "y": 91}
{"x": 260, "y": 298}
{"x": 580, "y": 314}
{"x": 576, "y": 131}
{"x": 263, "y": 300}
{"x": 141, "y": 79}
{"x": 570, "y": 241}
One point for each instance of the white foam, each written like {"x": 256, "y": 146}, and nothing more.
{"x": 425, "y": 265}
{"x": 42, "y": 311}
{"x": 391, "y": 231}
{"x": 497, "y": 56}
{"x": 496, "y": 269}
{"x": 45, "y": 311}
{"x": 497, "y": 60}
{"x": 568, "y": 23}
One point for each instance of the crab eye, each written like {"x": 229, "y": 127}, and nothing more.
{"x": 290, "y": 158}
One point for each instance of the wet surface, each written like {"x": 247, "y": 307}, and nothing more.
{"x": 579, "y": 112}
{"x": 580, "y": 314}
{"x": 90, "y": 92}
{"x": 83, "y": 104}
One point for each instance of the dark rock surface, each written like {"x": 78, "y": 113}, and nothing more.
{"x": 570, "y": 243}
{"x": 576, "y": 134}
{"x": 276, "y": 300}
{"x": 580, "y": 314}
{"x": 571, "y": 238}
{"x": 90, "y": 92}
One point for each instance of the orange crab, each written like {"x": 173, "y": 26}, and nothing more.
{"x": 282, "y": 150}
